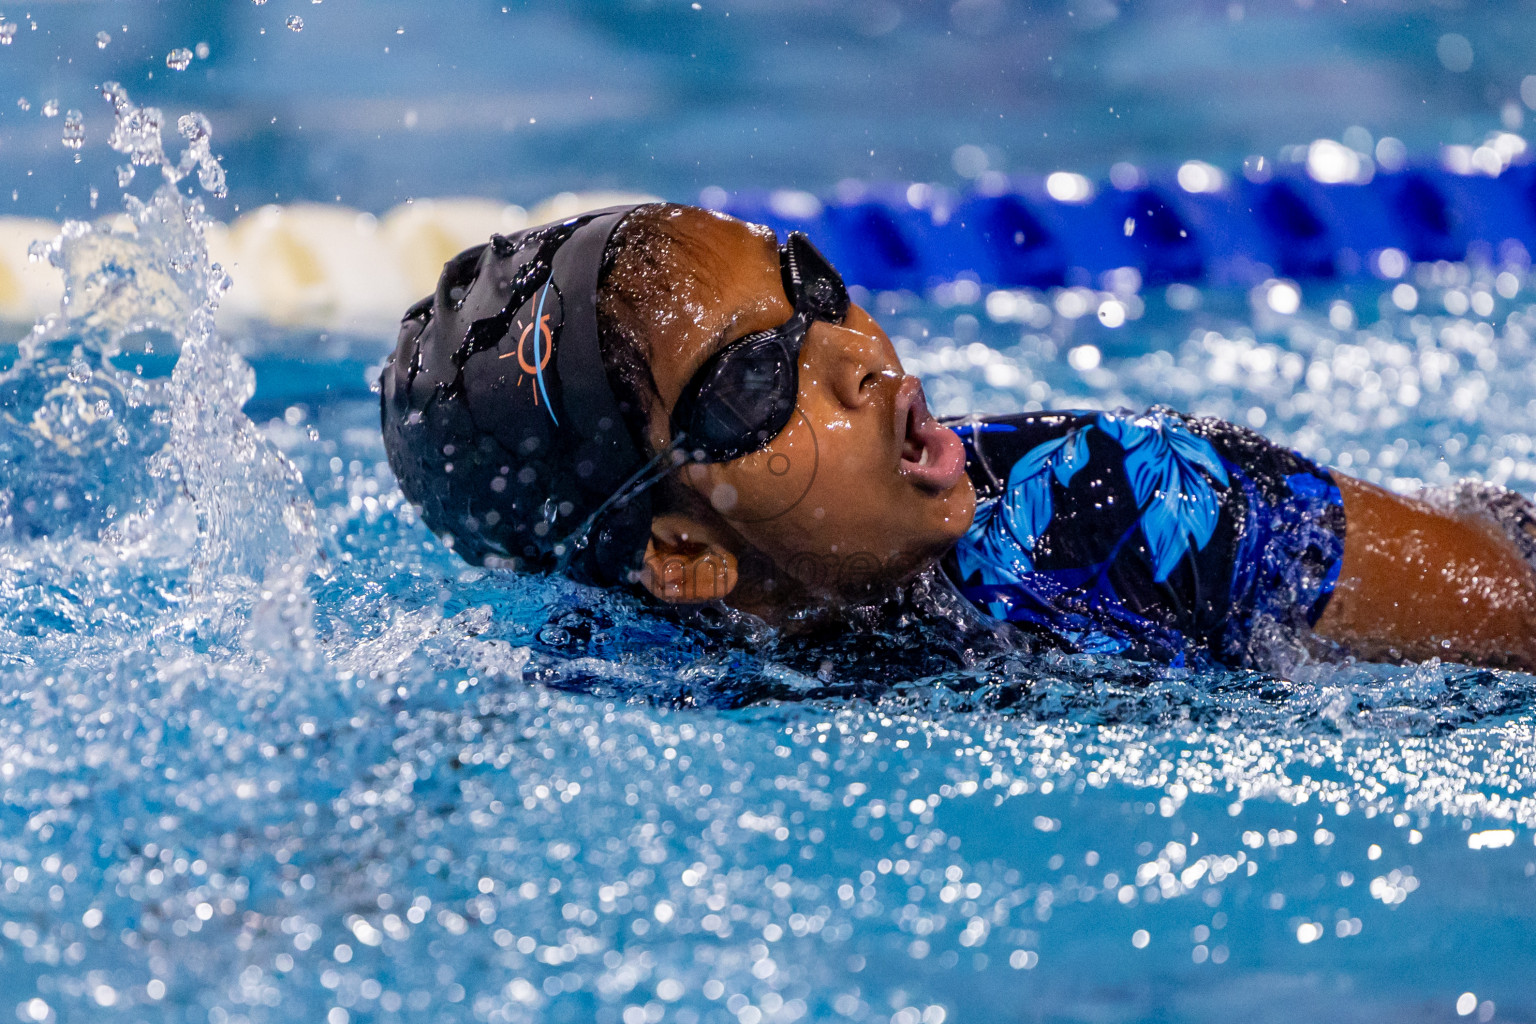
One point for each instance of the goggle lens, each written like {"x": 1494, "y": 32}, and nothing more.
{"x": 744, "y": 395}
{"x": 743, "y": 401}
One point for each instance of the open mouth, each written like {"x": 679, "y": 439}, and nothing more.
{"x": 932, "y": 455}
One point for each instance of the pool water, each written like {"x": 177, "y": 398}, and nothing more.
{"x": 270, "y": 752}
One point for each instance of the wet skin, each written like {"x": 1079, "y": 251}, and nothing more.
{"x": 1419, "y": 582}
{"x": 835, "y": 507}
{"x": 830, "y": 510}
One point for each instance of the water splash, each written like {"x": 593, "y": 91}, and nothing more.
{"x": 136, "y": 132}
{"x": 164, "y": 481}
{"x": 237, "y": 788}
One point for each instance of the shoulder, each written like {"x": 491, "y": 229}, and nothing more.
{"x": 994, "y": 443}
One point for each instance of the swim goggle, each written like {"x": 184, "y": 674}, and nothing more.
{"x": 744, "y": 395}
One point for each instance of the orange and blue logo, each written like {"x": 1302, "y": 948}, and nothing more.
{"x": 533, "y": 363}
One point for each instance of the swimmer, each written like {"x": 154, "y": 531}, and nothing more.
{"x": 666, "y": 397}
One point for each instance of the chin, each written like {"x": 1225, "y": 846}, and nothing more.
{"x": 926, "y": 549}
{"x": 950, "y": 514}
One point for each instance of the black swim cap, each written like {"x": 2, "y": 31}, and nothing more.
{"x": 498, "y": 415}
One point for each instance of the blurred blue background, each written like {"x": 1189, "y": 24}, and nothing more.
{"x": 378, "y": 101}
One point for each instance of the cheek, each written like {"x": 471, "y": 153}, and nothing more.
{"x": 822, "y": 486}
{"x": 769, "y": 486}
{"x": 828, "y": 488}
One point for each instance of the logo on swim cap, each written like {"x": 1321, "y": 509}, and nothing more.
{"x": 534, "y": 328}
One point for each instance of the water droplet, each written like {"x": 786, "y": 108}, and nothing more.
{"x": 51, "y": 108}
{"x": 178, "y": 59}
{"x": 201, "y": 49}
{"x": 116, "y": 95}
{"x": 258, "y": 3}
{"x": 24, "y": 103}
{"x": 192, "y": 126}
{"x": 295, "y": 22}
{"x": 7, "y": 32}
{"x": 102, "y": 39}
{"x": 74, "y": 129}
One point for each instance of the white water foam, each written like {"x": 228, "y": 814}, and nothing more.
{"x": 168, "y": 470}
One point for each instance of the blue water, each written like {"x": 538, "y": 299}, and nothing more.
{"x": 269, "y": 752}
{"x": 375, "y": 102}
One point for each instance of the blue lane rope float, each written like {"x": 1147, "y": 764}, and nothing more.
{"x": 913, "y": 236}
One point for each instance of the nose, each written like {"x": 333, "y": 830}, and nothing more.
{"x": 850, "y": 362}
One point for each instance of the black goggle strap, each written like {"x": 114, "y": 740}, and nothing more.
{"x": 653, "y": 472}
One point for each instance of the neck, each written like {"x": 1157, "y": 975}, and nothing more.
{"x": 786, "y": 600}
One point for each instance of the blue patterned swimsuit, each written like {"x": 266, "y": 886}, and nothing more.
{"x": 1157, "y": 536}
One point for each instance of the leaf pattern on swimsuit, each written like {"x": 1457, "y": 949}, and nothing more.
{"x": 1236, "y": 530}
{"x": 1170, "y": 471}
{"x": 1002, "y": 538}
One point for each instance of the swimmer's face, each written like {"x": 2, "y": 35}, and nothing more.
{"x": 861, "y": 489}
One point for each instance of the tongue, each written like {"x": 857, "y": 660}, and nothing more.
{"x": 932, "y": 456}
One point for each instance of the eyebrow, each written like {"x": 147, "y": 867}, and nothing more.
{"x": 717, "y": 341}
{"x": 714, "y": 344}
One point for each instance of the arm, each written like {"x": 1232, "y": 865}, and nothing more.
{"x": 1420, "y": 582}
{"x": 1413, "y": 581}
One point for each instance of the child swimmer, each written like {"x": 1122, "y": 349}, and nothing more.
{"x": 666, "y": 396}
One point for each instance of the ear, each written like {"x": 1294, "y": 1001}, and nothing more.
{"x": 687, "y": 562}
